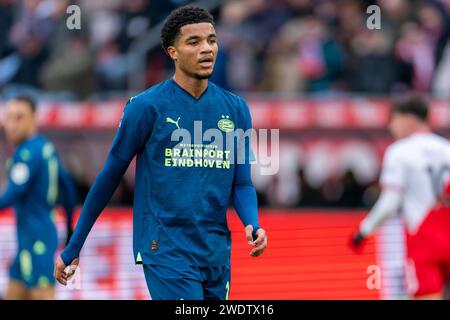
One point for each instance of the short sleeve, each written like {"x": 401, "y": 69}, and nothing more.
{"x": 134, "y": 130}
{"x": 393, "y": 170}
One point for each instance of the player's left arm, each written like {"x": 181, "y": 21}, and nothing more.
{"x": 10, "y": 196}
{"x": 134, "y": 130}
{"x": 20, "y": 177}
{"x": 67, "y": 198}
{"x": 244, "y": 195}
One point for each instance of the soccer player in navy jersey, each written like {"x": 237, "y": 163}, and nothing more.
{"x": 182, "y": 189}
{"x": 37, "y": 182}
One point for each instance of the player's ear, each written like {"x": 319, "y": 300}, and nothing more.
{"x": 172, "y": 53}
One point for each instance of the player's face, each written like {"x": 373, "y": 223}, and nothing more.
{"x": 195, "y": 50}
{"x": 402, "y": 125}
{"x": 19, "y": 122}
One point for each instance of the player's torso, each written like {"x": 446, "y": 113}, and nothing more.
{"x": 34, "y": 210}
{"x": 425, "y": 158}
{"x": 184, "y": 178}
{"x": 188, "y": 152}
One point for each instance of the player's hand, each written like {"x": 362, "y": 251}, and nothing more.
{"x": 259, "y": 243}
{"x": 356, "y": 241}
{"x": 61, "y": 274}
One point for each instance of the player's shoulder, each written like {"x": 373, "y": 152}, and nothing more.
{"x": 149, "y": 96}
{"x": 228, "y": 95}
{"x": 397, "y": 149}
{"x": 45, "y": 147}
{"x": 42, "y": 142}
{"x": 234, "y": 100}
{"x": 440, "y": 140}
{"x": 441, "y": 144}
{"x": 425, "y": 140}
{"x": 33, "y": 149}
{"x": 414, "y": 143}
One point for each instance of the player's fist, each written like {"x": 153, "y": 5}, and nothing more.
{"x": 63, "y": 273}
{"x": 257, "y": 239}
{"x": 356, "y": 241}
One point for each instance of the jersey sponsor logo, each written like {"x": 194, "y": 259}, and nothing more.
{"x": 225, "y": 124}
{"x": 20, "y": 173}
{"x": 170, "y": 120}
{"x": 154, "y": 245}
{"x": 197, "y": 155}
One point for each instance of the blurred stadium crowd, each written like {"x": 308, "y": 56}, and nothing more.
{"x": 268, "y": 48}
{"x": 276, "y": 46}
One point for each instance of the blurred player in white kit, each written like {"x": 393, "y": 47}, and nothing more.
{"x": 415, "y": 181}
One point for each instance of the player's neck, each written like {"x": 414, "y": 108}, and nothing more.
{"x": 33, "y": 132}
{"x": 29, "y": 136}
{"x": 195, "y": 87}
{"x": 423, "y": 129}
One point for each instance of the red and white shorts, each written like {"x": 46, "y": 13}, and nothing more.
{"x": 428, "y": 256}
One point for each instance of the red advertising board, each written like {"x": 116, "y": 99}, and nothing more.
{"x": 287, "y": 114}
{"x": 307, "y": 258}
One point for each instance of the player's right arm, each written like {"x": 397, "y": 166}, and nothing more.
{"x": 392, "y": 181}
{"x": 134, "y": 130}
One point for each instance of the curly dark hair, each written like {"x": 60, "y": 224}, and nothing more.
{"x": 180, "y": 17}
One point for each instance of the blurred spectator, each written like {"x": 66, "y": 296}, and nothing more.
{"x": 394, "y": 13}
{"x": 290, "y": 46}
{"x": 28, "y": 37}
{"x": 332, "y": 191}
{"x": 415, "y": 49}
{"x": 303, "y": 58}
{"x": 350, "y": 21}
{"x": 352, "y": 196}
{"x": 160, "y": 9}
{"x": 128, "y": 24}
{"x": 135, "y": 22}
{"x": 375, "y": 70}
{"x": 70, "y": 67}
{"x": 241, "y": 52}
{"x": 309, "y": 196}
{"x": 441, "y": 85}
{"x": 72, "y": 70}
{"x": 6, "y": 22}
